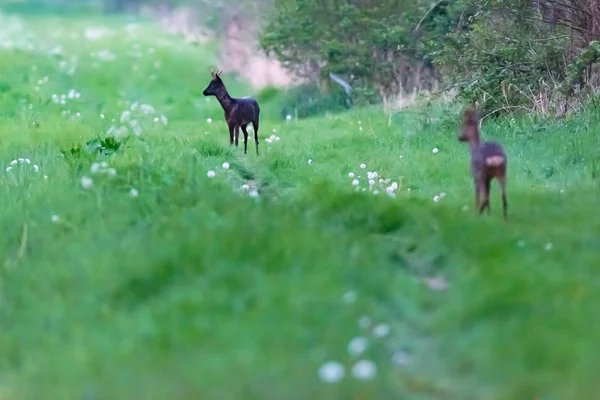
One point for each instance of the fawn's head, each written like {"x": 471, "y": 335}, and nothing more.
{"x": 215, "y": 84}
{"x": 470, "y": 129}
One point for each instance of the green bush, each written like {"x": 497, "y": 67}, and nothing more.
{"x": 308, "y": 100}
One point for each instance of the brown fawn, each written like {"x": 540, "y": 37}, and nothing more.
{"x": 488, "y": 161}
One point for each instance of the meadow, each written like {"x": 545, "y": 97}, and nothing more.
{"x": 143, "y": 257}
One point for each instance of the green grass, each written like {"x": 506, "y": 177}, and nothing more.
{"x": 196, "y": 290}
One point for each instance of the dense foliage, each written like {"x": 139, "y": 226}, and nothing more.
{"x": 505, "y": 54}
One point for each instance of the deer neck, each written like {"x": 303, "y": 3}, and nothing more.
{"x": 474, "y": 143}
{"x": 224, "y": 99}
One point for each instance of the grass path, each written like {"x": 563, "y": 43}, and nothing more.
{"x": 187, "y": 287}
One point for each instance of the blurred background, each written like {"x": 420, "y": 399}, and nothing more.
{"x": 537, "y": 56}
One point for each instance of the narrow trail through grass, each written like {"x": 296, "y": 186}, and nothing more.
{"x": 157, "y": 281}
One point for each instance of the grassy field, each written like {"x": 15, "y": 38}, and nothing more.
{"x": 145, "y": 278}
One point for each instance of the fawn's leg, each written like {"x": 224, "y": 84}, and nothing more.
{"x": 245, "y": 138}
{"x": 237, "y": 135}
{"x": 231, "y": 134}
{"x": 485, "y": 189}
{"x": 502, "y": 181}
{"x": 255, "y": 126}
{"x": 477, "y": 194}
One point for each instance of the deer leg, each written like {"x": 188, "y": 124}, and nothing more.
{"x": 231, "y": 134}
{"x": 477, "y": 195}
{"x": 502, "y": 181}
{"x": 255, "y": 126}
{"x": 237, "y": 135}
{"x": 245, "y": 138}
{"x": 485, "y": 203}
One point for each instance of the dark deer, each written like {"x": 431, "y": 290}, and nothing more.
{"x": 238, "y": 112}
{"x": 488, "y": 161}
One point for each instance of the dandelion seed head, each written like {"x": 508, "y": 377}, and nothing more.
{"x": 401, "y": 358}
{"x": 364, "y": 321}
{"x": 133, "y": 192}
{"x": 253, "y": 193}
{"x": 358, "y": 345}
{"x": 349, "y": 297}
{"x": 548, "y": 246}
{"x": 381, "y": 330}
{"x": 435, "y": 150}
{"x": 331, "y": 372}
{"x": 225, "y": 165}
{"x": 55, "y": 218}
{"x": 309, "y": 162}
{"x": 210, "y": 174}
{"x": 364, "y": 370}
{"x": 351, "y": 174}
{"x": 209, "y": 120}
{"x": 363, "y": 166}
{"x": 355, "y": 182}
{"x": 86, "y": 182}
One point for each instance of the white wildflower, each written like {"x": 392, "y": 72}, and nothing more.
{"x": 364, "y": 321}
{"x": 331, "y": 372}
{"x": 288, "y": 117}
{"x": 548, "y": 246}
{"x": 95, "y": 168}
{"x": 209, "y": 120}
{"x": 125, "y": 116}
{"x": 381, "y": 330}
{"x": 210, "y": 174}
{"x": 435, "y": 150}
{"x": 349, "y": 297}
{"x": 86, "y": 182}
{"x": 436, "y": 198}
{"x": 351, "y": 174}
{"x": 245, "y": 187}
{"x": 364, "y": 369}
{"x": 363, "y": 166}
{"x": 133, "y": 192}
{"x": 36, "y": 168}
{"x": 55, "y": 218}
{"x": 111, "y": 172}
{"x": 164, "y": 120}
{"x": 355, "y": 182}
{"x": 401, "y": 358}
{"x": 253, "y": 193}
{"x": 309, "y": 162}
{"x": 8, "y": 169}
{"x": 357, "y": 345}
{"x": 13, "y": 162}
{"x": 225, "y": 165}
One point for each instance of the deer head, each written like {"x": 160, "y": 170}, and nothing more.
{"x": 470, "y": 130}
{"x": 215, "y": 84}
